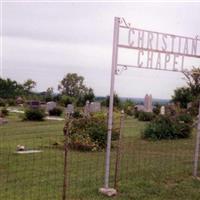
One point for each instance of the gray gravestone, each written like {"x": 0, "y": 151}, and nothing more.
{"x": 95, "y": 107}
{"x": 70, "y": 109}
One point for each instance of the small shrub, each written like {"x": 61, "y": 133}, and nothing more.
{"x": 55, "y": 112}
{"x": 34, "y": 114}
{"x": 165, "y": 127}
{"x": 4, "y": 112}
{"x": 145, "y": 116}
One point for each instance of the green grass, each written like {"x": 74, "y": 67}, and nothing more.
{"x": 150, "y": 170}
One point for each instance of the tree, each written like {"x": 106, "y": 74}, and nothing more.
{"x": 183, "y": 96}
{"x": 128, "y": 106}
{"x": 29, "y": 85}
{"x": 116, "y": 101}
{"x": 73, "y": 85}
{"x": 193, "y": 81}
{"x": 88, "y": 96}
{"x": 49, "y": 94}
{"x": 10, "y": 88}
{"x": 65, "y": 100}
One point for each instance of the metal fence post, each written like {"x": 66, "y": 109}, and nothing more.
{"x": 66, "y": 132}
{"x": 197, "y": 148}
{"x": 118, "y": 153}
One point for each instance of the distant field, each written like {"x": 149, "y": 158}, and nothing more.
{"x": 149, "y": 170}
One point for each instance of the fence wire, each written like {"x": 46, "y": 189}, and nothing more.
{"x": 39, "y": 176}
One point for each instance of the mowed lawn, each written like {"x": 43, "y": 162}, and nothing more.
{"x": 149, "y": 170}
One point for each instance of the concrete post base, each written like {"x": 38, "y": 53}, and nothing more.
{"x": 108, "y": 191}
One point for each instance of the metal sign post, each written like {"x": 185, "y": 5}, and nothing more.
{"x": 110, "y": 114}
{"x": 106, "y": 190}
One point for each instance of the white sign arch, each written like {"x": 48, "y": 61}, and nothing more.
{"x": 155, "y": 51}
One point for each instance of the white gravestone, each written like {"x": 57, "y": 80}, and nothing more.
{"x": 51, "y": 105}
{"x": 162, "y": 110}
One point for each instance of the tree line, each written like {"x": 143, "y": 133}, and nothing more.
{"x": 72, "y": 89}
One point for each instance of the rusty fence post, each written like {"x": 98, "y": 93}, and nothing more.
{"x": 197, "y": 148}
{"x": 66, "y": 133}
{"x": 118, "y": 153}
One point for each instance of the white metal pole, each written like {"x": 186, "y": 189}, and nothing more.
{"x": 196, "y": 155}
{"x": 1, "y": 39}
{"x": 110, "y": 115}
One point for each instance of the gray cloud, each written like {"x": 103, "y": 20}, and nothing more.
{"x": 44, "y": 41}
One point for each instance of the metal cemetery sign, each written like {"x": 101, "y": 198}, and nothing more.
{"x": 147, "y": 50}
{"x": 157, "y": 50}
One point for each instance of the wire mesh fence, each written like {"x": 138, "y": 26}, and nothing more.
{"x": 140, "y": 163}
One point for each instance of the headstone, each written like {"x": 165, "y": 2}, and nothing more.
{"x": 148, "y": 103}
{"x": 140, "y": 107}
{"x": 51, "y": 105}
{"x": 70, "y": 109}
{"x": 189, "y": 105}
{"x": 33, "y": 104}
{"x": 162, "y": 110}
{"x": 87, "y": 108}
{"x": 95, "y": 107}
{"x": 19, "y": 100}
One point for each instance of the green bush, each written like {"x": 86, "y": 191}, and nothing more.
{"x": 183, "y": 130}
{"x": 4, "y": 112}
{"x": 145, "y": 116}
{"x": 185, "y": 118}
{"x": 165, "y": 127}
{"x": 34, "y": 114}
{"x": 56, "y": 111}
{"x": 90, "y": 133}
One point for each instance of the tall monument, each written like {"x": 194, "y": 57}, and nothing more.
{"x": 148, "y": 103}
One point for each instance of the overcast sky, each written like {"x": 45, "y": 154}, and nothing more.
{"x": 45, "y": 41}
